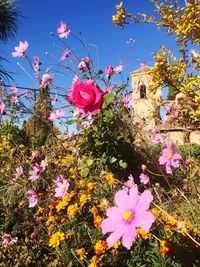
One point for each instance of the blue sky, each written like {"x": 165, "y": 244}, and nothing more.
{"x": 93, "y": 20}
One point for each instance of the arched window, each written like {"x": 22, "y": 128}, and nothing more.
{"x": 143, "y": 91}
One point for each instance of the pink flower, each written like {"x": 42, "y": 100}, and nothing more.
{"x": 54, "y": 98}
{"x": 130, "y": 183}
{"x": 187, "y": 162}
{"x": 109, "y": 70}
{"x": 86, "y": 123}
{"x": 63, "y": 31}
{"x": 19, "y": 50}
{"x": 70, "y": 134}
{"x": 43, "y": 165}
{"x": 154, "y": 130}
{"x": 13, "y": 99}
{"x": 18, "y": 172}
{"x": 86, "y": 97}
{"x": 158, "y": 139}
{"x": 8, "y": 240}
{"x": 2, "y": 107}
{"x": 129, "y": 213}
{"x": 84, "y": 64}
{"x": 175, "y": 111}
{"x": 32, "y": 198}
{"x": 59, "y": 179}
{"x": 127, "y": 101}
{"x": 59, "y": 113}
{"x": 36, "y": 65}
{"x": 13, "y": 89}
{"x": 169, "y": 159}
{"x": 143, "y": 65}
{"x": 144, "y": 178}
{"x": 65, "y": 54}
{"x": 47, "y": 80}
{"x": 61, "y": 189}
{"x": 118, "y": 69}
{"x": 35, "y": 173}
{"x": 75, "y": 79}
{"x": 34, "y": 155}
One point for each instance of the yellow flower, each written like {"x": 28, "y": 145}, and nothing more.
{"x": 72, "y": 210}
{"x": 100, "y": 247}
{"x": 94, "y": 210}
{"x": 81, "y": 184}
{"x": 103, "y": 204}
{"x": 91, "y": 186}
{"x": 65, "y": 201}
{"x": 143, "y": 234}
{"x": 55, "y": 239}
{"x": 83, "y": 199}
{"x": 40, "y": 210}
{"x": 81, "y": 253}
{"x": 117, "y": 244}
{"x": 51, "y": 220}
{"x": 111, "y": 180}
{"x": 97, "y": 221}
{"x": 21, "y": 204}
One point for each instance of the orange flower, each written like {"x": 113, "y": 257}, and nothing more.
{"x": 100, "y": 247}
{"x": 97, "y": 221}
{"x": 83, "y": 199}
{"x": 91, "y": 186}
{"x": 166, "y": 247}
{"x": 94, "y": 211}
{"x": 143, "y": 234}
{"x": 81, "y": 253}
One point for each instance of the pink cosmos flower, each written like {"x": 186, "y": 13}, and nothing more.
{"x": 127, "y": 101}
{"x": 8, "y": 240}
{"x": 59, "y": 113}
{"x": 154, "y": 130}
{"x": 2, "y": 107}
{"x": 54, "y": 98}
{"x": 84, "y": 64}
{"x": 61, "y": 189}
{"x": 119, "y": 68}
{"x": 175, "y": 111}
{"x": 47, "y": 80}
{"x": 169, "y": 159}
{"x": 144, "y": 178}
{"x": 129, "y": 213}
{"x": 43, "y": 165}
{"x": 13, "y": 99}
{"x": 109, "y": 70}
{"x": 35, "y": 173}
{"x": 70, "y": 134}
{"x": 13, "y": 89}
{"x": 19, "y": 50}
{"x": 18, "y": 172}
{"x": 65, "y": 54}
{"x": 34, "y": 155}
{"x": 158, "y": 139}
{"x": 143, "y": 65}
{"x": 59, "y": 179}
{"x": 36, "y": 65}
{"x": 86, "y": 97}
{"x": 86, "y": 123}
{"x": 32, "y": 198}
{"x": 130, "y": 183}
{"x": 63, "y": 31}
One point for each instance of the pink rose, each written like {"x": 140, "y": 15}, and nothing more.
{"x": 109, "y": 70}
{"x": 86, "y": 97}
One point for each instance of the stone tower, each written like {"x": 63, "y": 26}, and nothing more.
{"x": 146, "y": 103}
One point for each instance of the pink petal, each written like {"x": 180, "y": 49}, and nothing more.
{"x": 121, "y": 199}
{"x": 144, "y": 220}
{"x": 133, "y": 198}
{"x": 128, "y": 237}
{"x": 116, "y": 235}
{"x": 110, "y": 225}
{"x": 144, "y": 202}
{"x": 114, "y": 212}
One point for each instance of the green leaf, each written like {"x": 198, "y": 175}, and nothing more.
{"x": 123, "y": 164}
{"x": 113, "y": 160}
{"x": 110, "y": 97}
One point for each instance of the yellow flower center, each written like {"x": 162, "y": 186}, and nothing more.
{"x": 21, "y": 50}
{"x": 127, "y": 215}
{"x": 169, "y": 156}
{"x": 63, "y": 190}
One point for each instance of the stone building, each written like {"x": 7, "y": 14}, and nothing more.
{"x": 147, "y": 108}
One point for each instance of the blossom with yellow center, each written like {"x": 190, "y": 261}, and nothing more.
{"x": 72, "y": 210}
{"x": 55, "y": 239}
{"x": 100, "y": 247}
{"x": 169, "y": 156}
{"x": 128, "y": 215}
{"x": 81, "y": 253}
